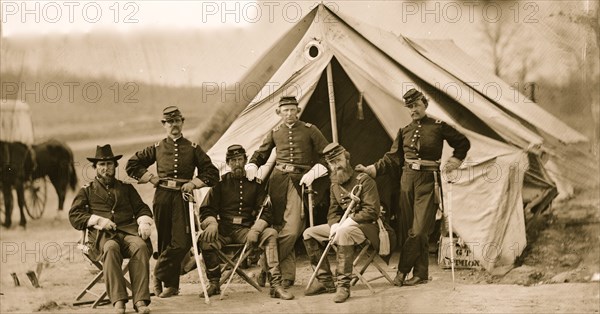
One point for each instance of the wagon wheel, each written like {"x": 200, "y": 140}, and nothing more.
{"x": 35, "y": 197}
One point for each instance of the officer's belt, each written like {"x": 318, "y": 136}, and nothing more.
{"x": 422, "y": 165}
{"x": 236, "y": 221}
{"x": 291, "y": 168}
{"x": 172, "y": 184}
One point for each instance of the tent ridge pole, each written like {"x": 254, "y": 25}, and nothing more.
{"x": 332, "y": 113}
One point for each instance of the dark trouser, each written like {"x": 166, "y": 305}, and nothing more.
{"x": 174, "y": 239}
{"x": 266, "y": 240}
{"x": 417, "y": 204}
{"x": 134, "y": 248}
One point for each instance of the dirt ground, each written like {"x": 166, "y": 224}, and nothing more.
{"x": 555, "y": 274}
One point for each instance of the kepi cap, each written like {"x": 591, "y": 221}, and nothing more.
{"x": 288, "y": 100}
{"x": 235, "y": 151}
{"x": 333, "y": 150}
{"x": 171, "y": 112}
{"x": 411, "y": 96}
{"x": 104, "y": 153}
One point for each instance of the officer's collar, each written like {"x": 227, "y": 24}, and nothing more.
{"x": 420, "y": 121}
{"x": 105, "y": 185}
{"x": 177, "y": 138}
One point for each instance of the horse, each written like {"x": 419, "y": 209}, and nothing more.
{"x": 16, "y": 165}
{"x": 54, "y": 159}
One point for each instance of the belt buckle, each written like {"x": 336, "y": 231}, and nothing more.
{"x": 415, "y": 166}
{"x": 237, "y": 220}
{"x": 171, "y": 183}
{"x": 288, "y": 168}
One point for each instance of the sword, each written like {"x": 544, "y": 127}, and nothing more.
{"x": 355, "y": 199}
{"x": 451, "y": 231}
{"x": 189, "y": 197}
{"x": 311, "y": 204}
{"x": 266, "y": 203}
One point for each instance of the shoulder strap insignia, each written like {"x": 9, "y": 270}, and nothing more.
{"x": 87, "y": 185}
{"x": 194, "y": 145}
{"x": 438, "y": 121}
{"x": 308, "y": 125}
{"x": 275, "y": 129}
{"x": 360, "y": 176}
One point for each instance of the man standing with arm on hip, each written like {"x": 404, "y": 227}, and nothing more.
{"x": 298, "y": 145}
{"x": 122, "y": 224}
{"x": 417, "y": 150}
{"x": 176, "y": 159}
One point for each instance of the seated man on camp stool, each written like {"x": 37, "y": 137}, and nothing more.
{"x": 238, "y": 203}
{"x": 359, "y": 225}
{"x": 122, "y": 224}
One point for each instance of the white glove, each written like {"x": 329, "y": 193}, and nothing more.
{"x": 452, "y": 164}
{"x": 251, "y": 170}
{"x": 333, "y": 229}
{"x": 315, "y": 172}
{"x": 145, "y": 226}
{"x": 101, "y": 223}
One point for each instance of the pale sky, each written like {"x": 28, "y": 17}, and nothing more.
{"x": 263, "y": 22}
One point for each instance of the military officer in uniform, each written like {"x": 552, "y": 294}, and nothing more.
{"x": 176, "y": 159}
{"x": 359, "y": 226}
{"x": 417, "y": 151}
{"x": 120, "y": 223}
{"x": 298, "y": 145}
{"x": 228, "y": 215}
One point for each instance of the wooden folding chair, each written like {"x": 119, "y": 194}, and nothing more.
{"x": 229, "y": 263}
{"x": 101, "y": 293}
{"x": 369, "y": 256}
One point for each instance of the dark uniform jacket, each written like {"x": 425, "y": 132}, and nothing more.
{"x": 121, "y": 203}
{"x": 235, "y": 202}
{"x": 300, "y": 145}
{"x": 365, "y": 213}
{"x": 174, "y": 160}
{"x": 422, "y": 140}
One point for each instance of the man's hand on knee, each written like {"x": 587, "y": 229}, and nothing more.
{"x": 210, "y": 230}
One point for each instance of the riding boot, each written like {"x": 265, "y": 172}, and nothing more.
{"x": 324, "y": 282}
{"x": 345, "y": 259}
{"x": 272, "y": 257}
{"x": 213, "y": 272}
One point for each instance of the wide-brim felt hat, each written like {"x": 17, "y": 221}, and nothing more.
{"x": 104, "y": 153}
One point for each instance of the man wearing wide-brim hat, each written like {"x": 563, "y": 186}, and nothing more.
{"x": 120, "y": 225}
{"x": 176, "y": 158}
{"x": 416, "y": 153}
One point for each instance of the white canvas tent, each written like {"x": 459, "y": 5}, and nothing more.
{"x": 15, "y": 122}
{"x": 369, "y": 71}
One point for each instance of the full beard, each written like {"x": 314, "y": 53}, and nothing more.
{"x": 341, "y": 175}
{"x": 238, "y": 173}
{"x": 106, "y": 179}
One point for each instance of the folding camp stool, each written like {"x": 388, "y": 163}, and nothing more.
{"x": 100, "y": 296}
{"x": 369, "y": 256}
{"x": 229, "y": 264}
